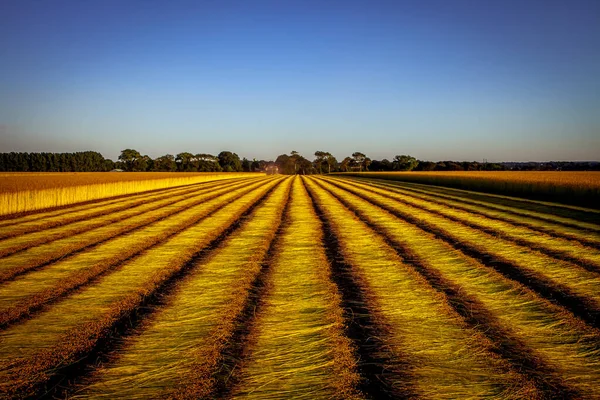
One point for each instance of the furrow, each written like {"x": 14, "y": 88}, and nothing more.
{"x": 129, "y": 209}
{"x": 559, "y": 352}
{"x": 44, "y": 255}
{"x": 296, "y": 346}
{"x": 41, "y": 219}
{"x": 362, "y": 327}
{"x": 565, "y": 283}
{"x": 571, "y": 215}
{"x": 35, "y": 353}
{"x": 558, "y": 248}
{"x": 27, "y": 293}
{"x": 442, "y": 357}
{"x": 197, "y": 318}
{"x": 542, "y": 223}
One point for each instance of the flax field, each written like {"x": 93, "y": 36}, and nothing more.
{"x": 300, "y": 287}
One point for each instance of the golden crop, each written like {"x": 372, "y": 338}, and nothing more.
{"x": 23, "y": 192}
{"x": 572, "y": 187}
{"x": 274, "y": 287}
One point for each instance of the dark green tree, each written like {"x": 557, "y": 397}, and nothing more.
{"x": 207, "y": 163}
{"x": 184, "y": 162}
{"x": 128, "y": 157}
{"x": 165, "y": 163}
{"x": 405, "y": 163}
{"x": 246, "y": 165}
{"x": 230, "y": 162}
{"x": 108, "y": 165}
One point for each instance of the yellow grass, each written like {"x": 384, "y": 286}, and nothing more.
{"x": 571, "y": 187}
{"x": 32, "y": 351}
{"x": 30, "y": 258}
{"x": 546, "y": 222}
{"x": 21, "y": 192}
{"x": 327, "y": 287}
{"x": 578, "y": 280}
{"x": 21, "y": 294}
{"x": 116, "y": 220}
{"x": 43, "y": 220}
{"x": 558, "y": 339}
{"x": 198, "y": 320}
{"x": 297, "y": 343}
{"x": 447, "y": 359}
{"x": 526, "y": 236}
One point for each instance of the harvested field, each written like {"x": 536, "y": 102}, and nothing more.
{"x": 570, "y": 187}
{"x": 325, "y": 287}
{"x": 22, "y": 192}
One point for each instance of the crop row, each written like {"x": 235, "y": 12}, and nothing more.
{"x": 570, "y": 187}
{"x": 97, "y": 186}
{"x": 82, "y": 313}
{"x": 554, "y": 348}
{"x": 576, "y": 285}
{"x": 109, "y": 223}
{"x": 303, "y": 288}
{"x": 554, "y": 221}
{"x": 85, "y": 212}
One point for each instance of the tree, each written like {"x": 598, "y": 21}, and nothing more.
{"x": 305, "y": 167}
{"x": 37, "y": 162}
{"x": 184, "y": 162}
{"x": 345, "y": 164}
{"x": 165, "y": 163}
{"x": 230, "y": 162}
{"x": 383, "y": 165}
{"x": 289, "y": 165}
{"x": 366, "y": 163}
{"x": 426, "y": 166}
{"x": 320, "y": 159}
{"x": 324, "y": 160}
{"x": 331, "y": 162}
{"x": 294, "y": 164}
{"x": 129, "y": 157}
{"x": 108, "y": 165}
{"x": 452, "y": 166}
{"x": 295, "y": 156}
{"x": 83, "y": 161}
{"x": 405, "y": 163}
{"x": 245, "y": 165}
{"x": 207, "y": 163}
{"x": 284, "y": 164}
{"x": 359, "y": 159}
{"x": 144, "y": 163}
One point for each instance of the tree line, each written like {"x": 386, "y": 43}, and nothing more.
{"x": 324, "y": 162}
{"x": 129, "y": 160}
{"x": 85, "y": 161}
{"x": 227, "y": 161}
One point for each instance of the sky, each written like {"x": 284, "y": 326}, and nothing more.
{"x": 507, "y": 80}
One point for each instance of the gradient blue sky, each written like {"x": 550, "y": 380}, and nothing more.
{"x": 450, "y": 79}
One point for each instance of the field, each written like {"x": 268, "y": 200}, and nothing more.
{"x": 571, "y": 187}
{"x": 312, "y": 287}
{"x": 26, "y": 191}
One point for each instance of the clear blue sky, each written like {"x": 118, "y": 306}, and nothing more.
{"x": 503, "y": 80}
